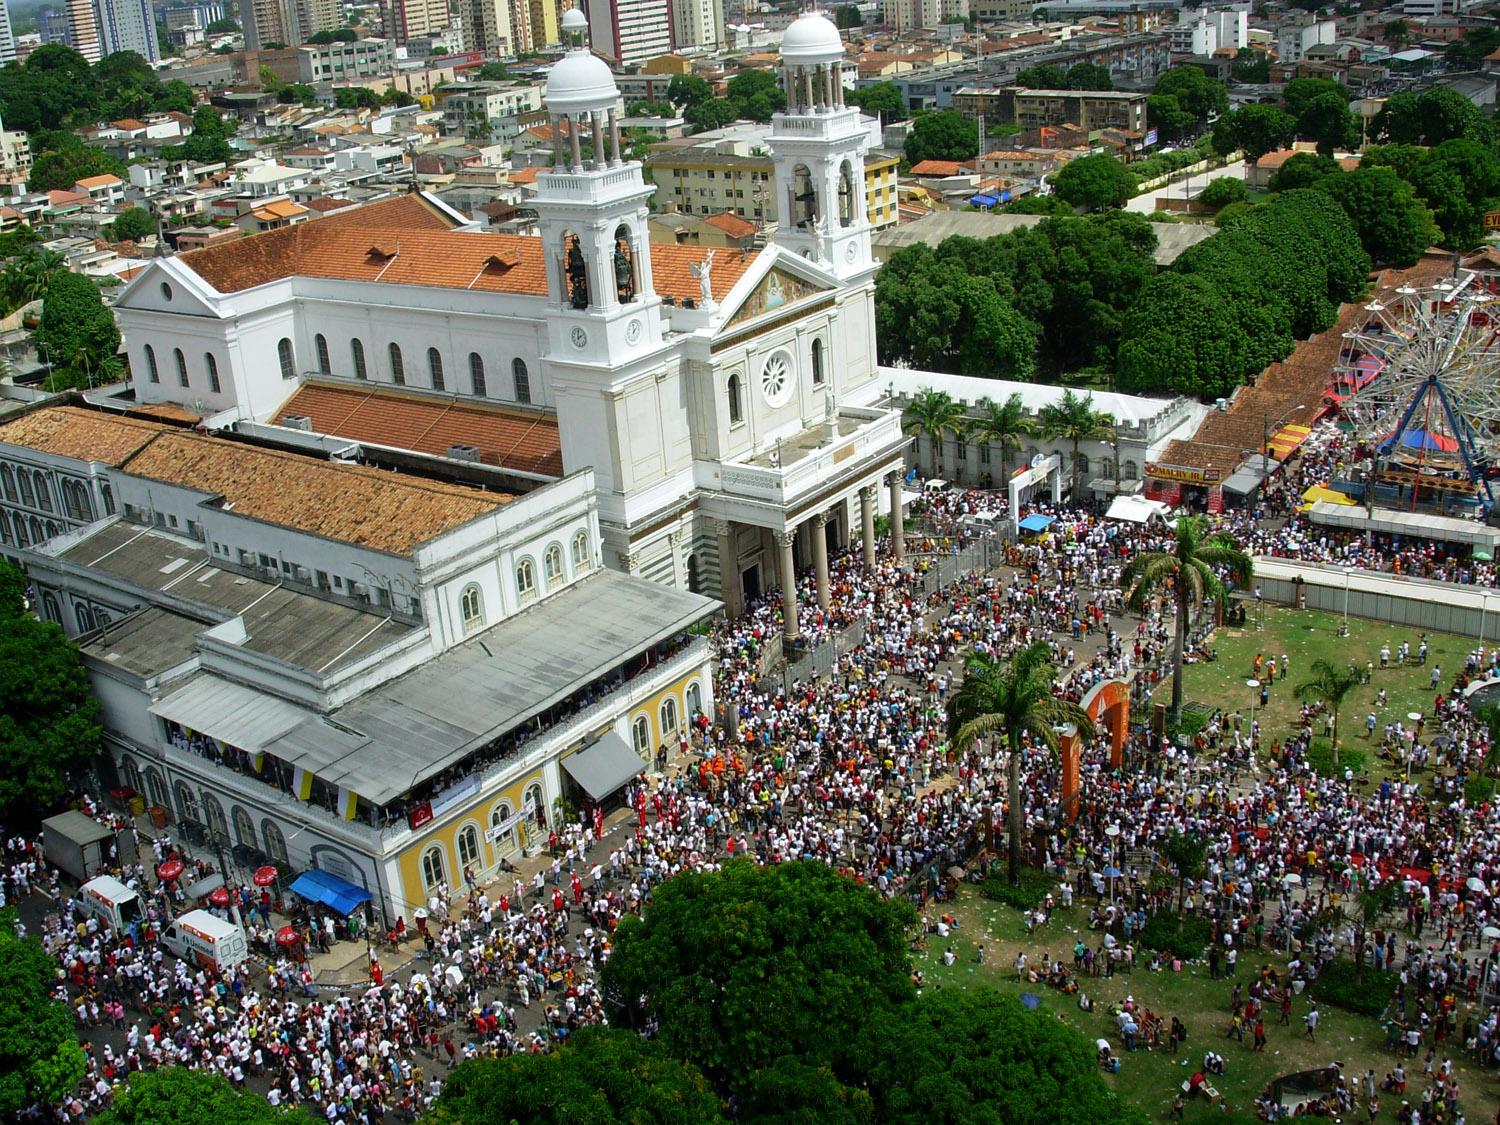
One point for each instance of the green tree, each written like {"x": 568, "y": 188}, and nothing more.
{"x": 644, "y": 108}
{"x": 1330, "y": 684}
{"x": 1399, "y": 120}
{"x": 1189, "y": 571}
{"x": 1165, "y": 114}
{"x": 13, "y": 601}
{"x": 1370, "y": 905}
{"x": 1181, "y": 336}
{"x": 944, "y": 135}
{"x": 1013, "y": 696}
{"x": 1302, "y": 92}
{"x": 60, "y": 160}
{"x": 1195, "y": 91}
{"x": 26, "y": 277}
{"x": 1328, "y": 120}
{"x": 224, "y": 26}
{"x": 687, "y": 90}
{"x": 1004, "y": 424}
{"x": 933, "y": 415}
{"x": 1224, "y": 190}
{"x": 960, "y": 1056}
{"x": 1303, "y": 169}
{"x": 1039, "y": 205}
{"x": 715, "y": 113}
{"x": 493, "y": 72}
{"x": 1073, "y": 419}
{"x": 740, "y": 967}
{"x": 792, "y": 1092}
{"x": 847, "y": 18}
{"x": 757, "y": 94}
{"x": 1456, "y": 179}
{"x": 1395, "y": 227}
{"x": 134, "y": 223}
{"x": 1044, "y": 77}
{"x": 883, "y": 98}
{"x": 356, "y": 97}
{"x": 1447, "y": 115}
{"x": 40, "y": 1058}
{"x": 601, "y": 1075}
{"x": 1255, "y": 130}
{"x": 77, "y": 333}
{"x": 1187, "y": 852}
{"x": 1471, "y": 50}
{"x": 179, "y": 1096}
{"x": 298, "y": 93}
{"x": 1089, "y": 76}
{"x": 1397, "y": 33}
{"x": 1251, "y": 66}
{"x": 1093, "y": 182}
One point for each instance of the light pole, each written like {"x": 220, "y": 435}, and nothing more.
{"x": 1254, "y": 686}
{"x": 1344, "y": 629}
{"x": 1113, "y": 832}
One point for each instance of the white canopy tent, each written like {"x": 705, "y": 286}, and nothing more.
{"x": 1136, "y": 509}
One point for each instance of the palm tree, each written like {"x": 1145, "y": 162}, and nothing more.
{"x": 1014, "y": 697}
{"x": 1188, "y": 853}
{"x": 1188, "y": 569}
{"x": 933, "y": 413}
{"x": 1073, "y": 420}
{"x": 1004, "y": 424}
{"x": 1332, "y": 685}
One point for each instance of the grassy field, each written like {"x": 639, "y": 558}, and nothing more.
{"x": 1150, "y": 1079}
{"x": 1309, "y": 635}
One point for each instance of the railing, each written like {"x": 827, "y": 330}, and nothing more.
{"x": 787, "y": 482}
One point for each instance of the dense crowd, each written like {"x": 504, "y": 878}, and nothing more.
{"x": 855, "y": 769}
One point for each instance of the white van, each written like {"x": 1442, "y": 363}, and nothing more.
{"x": 205, "y": 939}
{"x": 112, "y": 902}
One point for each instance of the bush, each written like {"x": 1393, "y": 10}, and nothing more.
{"x": 1320, "y": 758}
{"x": 1478, "y": 790}
{"x": 1186, "y": 938}
{"x": 1223, "y": 191}
{"x": 1367, "y": 997}
{"x": 1026, "y": 895}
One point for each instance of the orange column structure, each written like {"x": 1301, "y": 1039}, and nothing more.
{"x": 1068, "y": 749}
{"x": 1108, "y": 704}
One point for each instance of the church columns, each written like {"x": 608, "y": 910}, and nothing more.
{"x": 614, "y": 137}
{"x": 820, "y": 556}
{"x": 787, "y": 575}
{"x": 898, "y": 520}
{"x": 596, "y": 122}
{"x": 577, "y": 150}
{"x": 867, "y": 523}
{"x": 729, "y": 569}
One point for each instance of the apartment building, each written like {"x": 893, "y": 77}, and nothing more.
{"x": 630, "y": 31}
{"x": 1033, "y": 109}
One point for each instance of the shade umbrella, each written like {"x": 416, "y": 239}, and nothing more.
{"x": 288, "y": 935}
{"x": 956, "y": 872}
{"x": 1112, "y": 872}
{"x": 264, "y": 876}
{"x": 419, "y": 912}
{"x": 169, "y": 870}
{"x": 219, "y": 896}
{"x": 1291, "y": 879}
{"x": 1474, "y": 883}
{"x": 1414, "y": 716}
{"x": 1490, "y": 933}
{"x": 1483, "y": 556}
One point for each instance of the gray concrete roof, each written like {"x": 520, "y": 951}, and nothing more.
{"x": 147, "y": 643}
{"x": 1171, "y": 238}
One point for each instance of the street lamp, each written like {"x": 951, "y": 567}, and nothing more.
{"x": 1254, "y": 686}
{"x": 1344, "y": 629}
{"x": 1113, "y": 832}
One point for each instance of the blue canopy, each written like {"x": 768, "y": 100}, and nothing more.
{"x": 335, "y": 893}
{"x": 984, "y": 200}
{"x": 1037, "y": 523}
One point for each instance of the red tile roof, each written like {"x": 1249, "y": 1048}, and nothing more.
{"x": 509, "y": 438}
{"x": 732, "y": 225}
{"x": 938, "y": 168}
{"x": 406, "y": 242}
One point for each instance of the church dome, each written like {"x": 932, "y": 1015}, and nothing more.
{"x": 811, "y": 39}
{"x": 580, "y": 82}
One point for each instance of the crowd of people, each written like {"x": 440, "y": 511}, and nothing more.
{"x": 855, "y": 769}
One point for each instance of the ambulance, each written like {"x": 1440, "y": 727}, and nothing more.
{"x": 112, "y": 902}
{"x": 205, "y": 939}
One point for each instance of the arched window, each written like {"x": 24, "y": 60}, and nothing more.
{"x": 532, "y": 803}
{"x": 109, "y": 499}
{"x": 81, "y": 613}
{"x": 803, "y": 205}
{"x": 38, "y": 532}
{"x": 4, "y": 526}
{"x": 398, "y": 366}
{"x": 626, "y": 283}
{"x": 471, "y": 608}
{"x": 817, "y": 356}
{"x": 275, "y": 842}
{"x": 476, "y": 374}
{"x": 181, "y": 361}
{"x": 22, "y": 541}
{"x": 575, "y": 272}
{"x": 357, "y": 351}
{"x": 244, "y": 827}
{"x": 581, "y": 560}
{"x": 736, "y": 404}
{"x": 434, "y": 871}
{"x": 320, "y": 345}
{"x": 1083, "y": 464}
{"x": 523, "y": 380}
{"x": 151, "y": 370}
{"x": 506, "y": 841}
{"x": 694, "y": 699}
{"x": 187, "y": 803}
{"x": 435, "y": 368}
{"x": 76, "y": 501}
{"x": 213, "y": 816}
{"x": 285, "y": 358}
{"x": 51, "y": 609}
{"x": 43, "y": 493}
{"x": 668, "y": 718}
{"x": 846, "y": 195}
{"x": 130, "y": 773}
{"x": 468, "y": 846}
{"x": 28, "y": 494}
{"x": 1129, "y": 470}
{"x": 552, "y": 565}
{"x": 526, "y": 580}
{"x": 640, "y": 735}
{"x": 211, "y": 365}
{"x": 156, "y": 788}
{"x": 8, "y": 482}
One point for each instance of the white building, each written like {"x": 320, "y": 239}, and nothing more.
{"x": 1292, "y": 43}
{"x": 697, "y": 24}
{"x": 911, "y": 15}
{"x": 630, "y": 31}
{"x": 7, "y": 37}
{"x": 1201, "y": 31}
{"x": 127, "y": 25}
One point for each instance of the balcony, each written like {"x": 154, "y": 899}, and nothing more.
{"x": 799, "y": 465}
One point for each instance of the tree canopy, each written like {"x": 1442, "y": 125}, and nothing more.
{"x": 1223, "y": 191}
{"x": 61, "y": 159}
{"x": 77, "y": 334}
{"x": 134, "y": 223}
{"x": 945, "y": 135}
{"x": 601, "y": 1075}
{"x": 883, "y": 98}
{"x": 1255, "y": 130}
{"x": 1196, "y": 92}
{"x": 56, "y": 88}
{"x": 1094, "y": 182}
{"x": 1395, "y": 227}
{"x": 1079, "y": 76}
{"x": 179, "y": 1096}
{"x": 40, "y": 1058}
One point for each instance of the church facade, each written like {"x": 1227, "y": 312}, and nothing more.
{"x": 725, "y": 401}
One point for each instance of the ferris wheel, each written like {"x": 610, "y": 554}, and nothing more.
{"x": 1418, "y": 379}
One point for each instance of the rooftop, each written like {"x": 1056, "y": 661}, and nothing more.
{"x": 80, "y": 433}
{"x": 147, "y": 643}
{"x": 509, "y": 438}
{"x": 280, "y": 622}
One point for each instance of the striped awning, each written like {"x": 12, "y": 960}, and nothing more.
{"x": 1287, "y": 439}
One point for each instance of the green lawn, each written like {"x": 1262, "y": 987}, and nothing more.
{"x": 1309, "y": 635}
{"x": 1150, "y": 1079}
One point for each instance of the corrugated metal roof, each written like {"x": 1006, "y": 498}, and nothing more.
{"x": 231, "y": 712}
{"x": 604, "y": 766}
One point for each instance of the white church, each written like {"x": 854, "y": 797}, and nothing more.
{"x": 723, "y": 400}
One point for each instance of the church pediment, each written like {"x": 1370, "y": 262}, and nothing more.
{"x": 776, "y": 290}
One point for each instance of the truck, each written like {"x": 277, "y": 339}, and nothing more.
{"x": 80, "y": 846}
{"x": 205, "y": 939}
{"x": 112, "y": 902}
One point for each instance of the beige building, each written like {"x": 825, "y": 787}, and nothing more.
{"x": 487, "y": 27}
{"x": 545, "y": 23}
{"x": 407, "y": 19}
{"x": 83, "y": 30}
{"x": 1033, "y": 109}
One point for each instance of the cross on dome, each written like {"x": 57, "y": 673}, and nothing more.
{"x": 580, "y": 82}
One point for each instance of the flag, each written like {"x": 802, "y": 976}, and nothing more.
{"x": 301, "y": 783}
{"x": 348, "y": 802}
